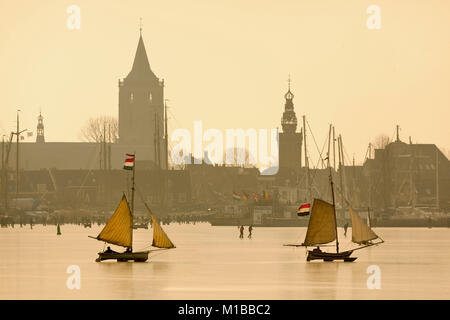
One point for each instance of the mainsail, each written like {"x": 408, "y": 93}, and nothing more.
{"x": 119, "y": 230}
{"x": 361, "y": 232}
{"x": 322, "y": 224}
{"x": 160, "y": 239}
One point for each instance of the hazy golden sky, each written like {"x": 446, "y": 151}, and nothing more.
{"x": 227, "y": 63}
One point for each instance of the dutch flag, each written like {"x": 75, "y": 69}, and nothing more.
{"x": 129, "y": 162}
{"x": 303, "y": 210}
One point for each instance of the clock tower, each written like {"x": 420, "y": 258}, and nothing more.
{"x": 290, "y": 141}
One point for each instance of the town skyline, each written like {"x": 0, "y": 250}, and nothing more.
{"x": 234, "y": 75}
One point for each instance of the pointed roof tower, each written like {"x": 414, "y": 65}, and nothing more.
{"x": 141, "y": 70}
{"x": 289, "y": 119}
{"x": 40, "y": 129}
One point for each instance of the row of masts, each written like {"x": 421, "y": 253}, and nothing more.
{"x": 105, "y": 158}
{"x": 5, "y": 159}
{"x": 340, "y": 151}
{"x": 344, "y": 199}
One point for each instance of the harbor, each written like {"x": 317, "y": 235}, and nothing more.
{"x": 221, "y": 158}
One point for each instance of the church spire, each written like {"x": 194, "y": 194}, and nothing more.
{"x": 40, "y": 129}
{"x": 141, "y": 70}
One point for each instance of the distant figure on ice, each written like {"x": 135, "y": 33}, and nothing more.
{"x": 241, "y": 229}
{"x": 345, "y": 229}
{"x": 250, "y": 231}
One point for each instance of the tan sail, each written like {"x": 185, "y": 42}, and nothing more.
{"x": 160, "y": 239}
{"x": 361, "y": 233}
{"x": 322, "y": 224}
{"x": 118, "y": 230}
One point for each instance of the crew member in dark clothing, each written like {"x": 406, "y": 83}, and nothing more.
{"x": 241, "y": 229}
{"x": 108, "y": 250}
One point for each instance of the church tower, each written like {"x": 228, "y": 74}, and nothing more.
{"x": 141, "y": 108}
{"x": 40, "y": 129}
{"x": 290, "y": 141}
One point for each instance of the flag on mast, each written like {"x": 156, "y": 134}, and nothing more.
{"x": 129, "y": 162}
{"x": 236, "y": 196}
{"x": 304, "y": 209}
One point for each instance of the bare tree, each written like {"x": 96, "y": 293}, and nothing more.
{"x": 381, "y": 141}
{"x": 94, "y": 128}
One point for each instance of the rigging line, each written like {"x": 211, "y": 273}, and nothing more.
{"x": 316, "y": 167}
{"x": 92, "y": 156}
{"x": 367, "y": 152}
{"x": 313, "y": 177}
{"x": 346, "y": 156}
{"x": 393, "y": 136}
{"x": 312, "y": 134}
{"x": 320, "y": 157}
{"x": 173, "y": 116}
{"x": 142, "y": 199}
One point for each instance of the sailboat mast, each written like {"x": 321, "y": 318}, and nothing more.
{"x": 132, "y": 199}
{"x": 17, "y": 157}
{"x": 166, "y": 139}
{"x": 334, "y": 210}
{"x": 334, "y": 151}
{"x": 306, "y": 160}
{"x": 370, "y": 177}
{"x": 437, "y": 179}
{"x": 340, "y": 171}
{"x": 328, "y": 154}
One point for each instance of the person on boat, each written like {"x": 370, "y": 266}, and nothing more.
{"x": 250, "y": 231}
{"x": 317, "y": 249}
{"x": 128, "y": 250}
{"x": 108, "y": 250}
{"x": 241, "y": 229}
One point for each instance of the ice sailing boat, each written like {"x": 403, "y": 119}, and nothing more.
{"x": 119, "y": 229}
{"x": 322, "y": 229}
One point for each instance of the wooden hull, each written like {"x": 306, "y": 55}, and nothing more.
{"x": 140, "y": 256}
{"x": 327, "y": 256}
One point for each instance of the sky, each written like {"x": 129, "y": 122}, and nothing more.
{"x": 227, "y": 63}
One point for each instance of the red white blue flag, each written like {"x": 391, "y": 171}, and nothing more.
{"x": 303, "y": 210}
{"x": 129, "y": 162}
